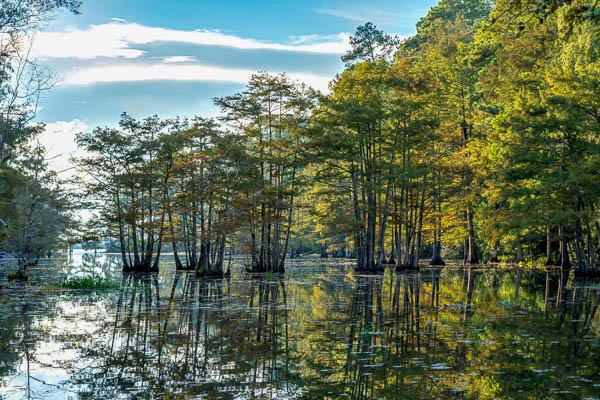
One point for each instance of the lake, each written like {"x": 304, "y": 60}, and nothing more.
{"x": 319, "y": 332}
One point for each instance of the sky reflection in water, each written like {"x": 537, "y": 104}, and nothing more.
{"x": 318, "y": 332}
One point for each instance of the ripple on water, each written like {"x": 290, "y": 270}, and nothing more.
{"x": 314, "y": 333}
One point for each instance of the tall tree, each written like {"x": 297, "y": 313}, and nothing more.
{"x": 540, "y": 86}
{"x": 38, "y": 212}
{"x": 370, "y": 131}
{"x": 202, "y": 199}
{"x": 271, "y": 115}
{"x": 129, "y": 170}
{"x": 22, "y": 80}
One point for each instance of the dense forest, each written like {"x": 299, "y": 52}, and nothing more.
{"x": 34, "y": 209}
{"x": 477, "y": 139}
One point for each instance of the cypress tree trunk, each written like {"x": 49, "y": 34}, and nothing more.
{"x": 548, "y": 247}
{"x": 126, "y": 265}
{"x": 371, "y": 218}
{"x": 419, "y": 230}
{"x": 398, "y": 248}
{"x": 565, "y": 262}
{"x": 178, "y": 264}
{"x": 472, "y": 250}
{"x": 494, "y": 258}
{"x": 519, "y": 258}
{"x": 436, "y": 257}
{"x": 288, "y": 232}
{"x": 323, "y": 252}
{"x": 582, "y": 265}
{"x": 359, "y": 238}
{"x": 382, "y": 228}
{"x": 590, "y": 247}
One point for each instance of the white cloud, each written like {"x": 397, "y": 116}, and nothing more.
{"x": 180, "y": 59}
{"x": 314, "y": 39}
{"x": 174, "y": 72}
{"x": 118, "y": 39}
{"x": 59, "y": 140}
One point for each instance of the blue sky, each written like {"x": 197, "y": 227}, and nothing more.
{"x": 172, "y": 57}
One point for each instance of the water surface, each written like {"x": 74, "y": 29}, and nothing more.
{"x": 319, "y": 332}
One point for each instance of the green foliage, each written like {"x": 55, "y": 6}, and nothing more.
{"x": 480, "y": 137}
{"x": 34, "y": 210}
{"x": 369, "y": 44}
{"x": 445, "y": 14}
{"x": 539, "y": 159}
{"x": 17, "y": 275}
{"x": 502, "y": 100}
{"x": 193, "y": 184}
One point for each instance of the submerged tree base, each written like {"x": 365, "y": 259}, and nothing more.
{"x": 140, "y": 268}
{"x": 407, "y": 267}
{"x": 587, "y": 274}
{"x": 369, "y": 268}
{"x": 391, "y": 261}
{"x": 437, "y": 261}
{"x": 210, "y": 274}
{"x": 261, "y": 268}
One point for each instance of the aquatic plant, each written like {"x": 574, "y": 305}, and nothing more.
{"x": 17, "y": 275}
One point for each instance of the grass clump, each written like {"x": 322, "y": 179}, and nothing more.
{"x": 17, "y": 275}
{"x": 89, "y": 283}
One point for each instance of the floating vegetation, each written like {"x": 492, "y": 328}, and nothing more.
{"x": 17, "y": 276}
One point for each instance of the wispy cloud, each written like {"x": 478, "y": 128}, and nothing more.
{"x": 369, "y": 13}
{"x": 135, "y": 72}
{"x": 342, "y": 38}
{"x": 345, "y": 14}
{"x": 118, "y": 39}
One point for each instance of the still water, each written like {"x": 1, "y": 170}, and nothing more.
{"x": 319, "y": 332}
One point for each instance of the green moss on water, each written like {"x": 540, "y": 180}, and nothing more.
{"x": 89, "y": 283}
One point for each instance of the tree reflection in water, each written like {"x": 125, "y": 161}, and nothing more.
{"x": 194, "y": 341}
{"x": 387, "y": 349}
{"x": 316, "y": 333}
{"x": 428, "y": 344}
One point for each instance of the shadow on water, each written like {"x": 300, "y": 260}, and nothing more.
{"x": 318, "y": 332}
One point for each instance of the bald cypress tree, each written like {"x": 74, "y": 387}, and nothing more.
{"x": 270, "y": 117}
